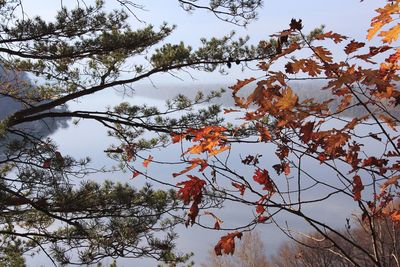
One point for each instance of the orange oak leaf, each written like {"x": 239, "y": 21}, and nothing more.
{"x": 373, "y": 51}
{"x": 389, "y": 121}
{"x": 193, "y": 164}
{"x": 278, "y": 76}
{"x": 256, "y": 95}
{"x": 292, "y": 47}
{"x": 226, "y": 111}
{"x": 373, "y": 161}
{"x": 395, "y": 216}
{"x": 351, "y": 124}
{"x": 211, "y": 139}
{"x": 147, "y": 161}
{"x": 390, "y": 35}
{"x": 227, "y": 243}
{"x": 384, "y": 17}
{"x": 282, "y": 152}
{"x": 240, "y": 84}
{"x": 391, "y": 181}
{"x": 177, "y": 137}
{"x": 305, "y": 65}
{"x": 323, "y": 54}
{"x": 345, "y": 102}
{"x": 311, "y": 67}
{"x": 288, "y": 100}
{"x": 219, "y": 150}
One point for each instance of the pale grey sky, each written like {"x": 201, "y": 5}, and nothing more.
{"x": 348, "y": 17}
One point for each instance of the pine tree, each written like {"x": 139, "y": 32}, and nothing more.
{"x": 84, "y": 50}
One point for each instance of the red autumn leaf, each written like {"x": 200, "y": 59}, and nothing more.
{"x": 218, "y": 221}
{"x": 46, "y": 163}
{"x": 193, "y": 212}
{"x": 262, "y": 219}
{"x": 191, "y": 189}
{"x": 337, "y": 38}
{"x": 265, "y": 135}
{"x": 295, "y": 25}
{"x": 282, "y": 152}
{"x": 260, "y": 209}
{"x": 283, "y": 167}
{"x": 286, "y": 168}
{"x": 357, "y": 187}
{"x": 147, "y": 161}
{"x": 306, "y": 132}
{"x": 373, "y": 161}
{"x": 227, "y": 243}
{"x": 262, "y": 177}
{"x": 353, "y": 46}
{"x": 251, "y": 160}
{"x": 135, "y": 174}
{"x": 240, "y": 187}
{"x": 322, "y": 157}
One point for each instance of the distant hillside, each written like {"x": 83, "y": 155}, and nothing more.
{"x": 11, "y": 80}
{"x": 305, "y": 90}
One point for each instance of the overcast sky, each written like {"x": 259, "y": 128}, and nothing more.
{"x": 348, "y": 17}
